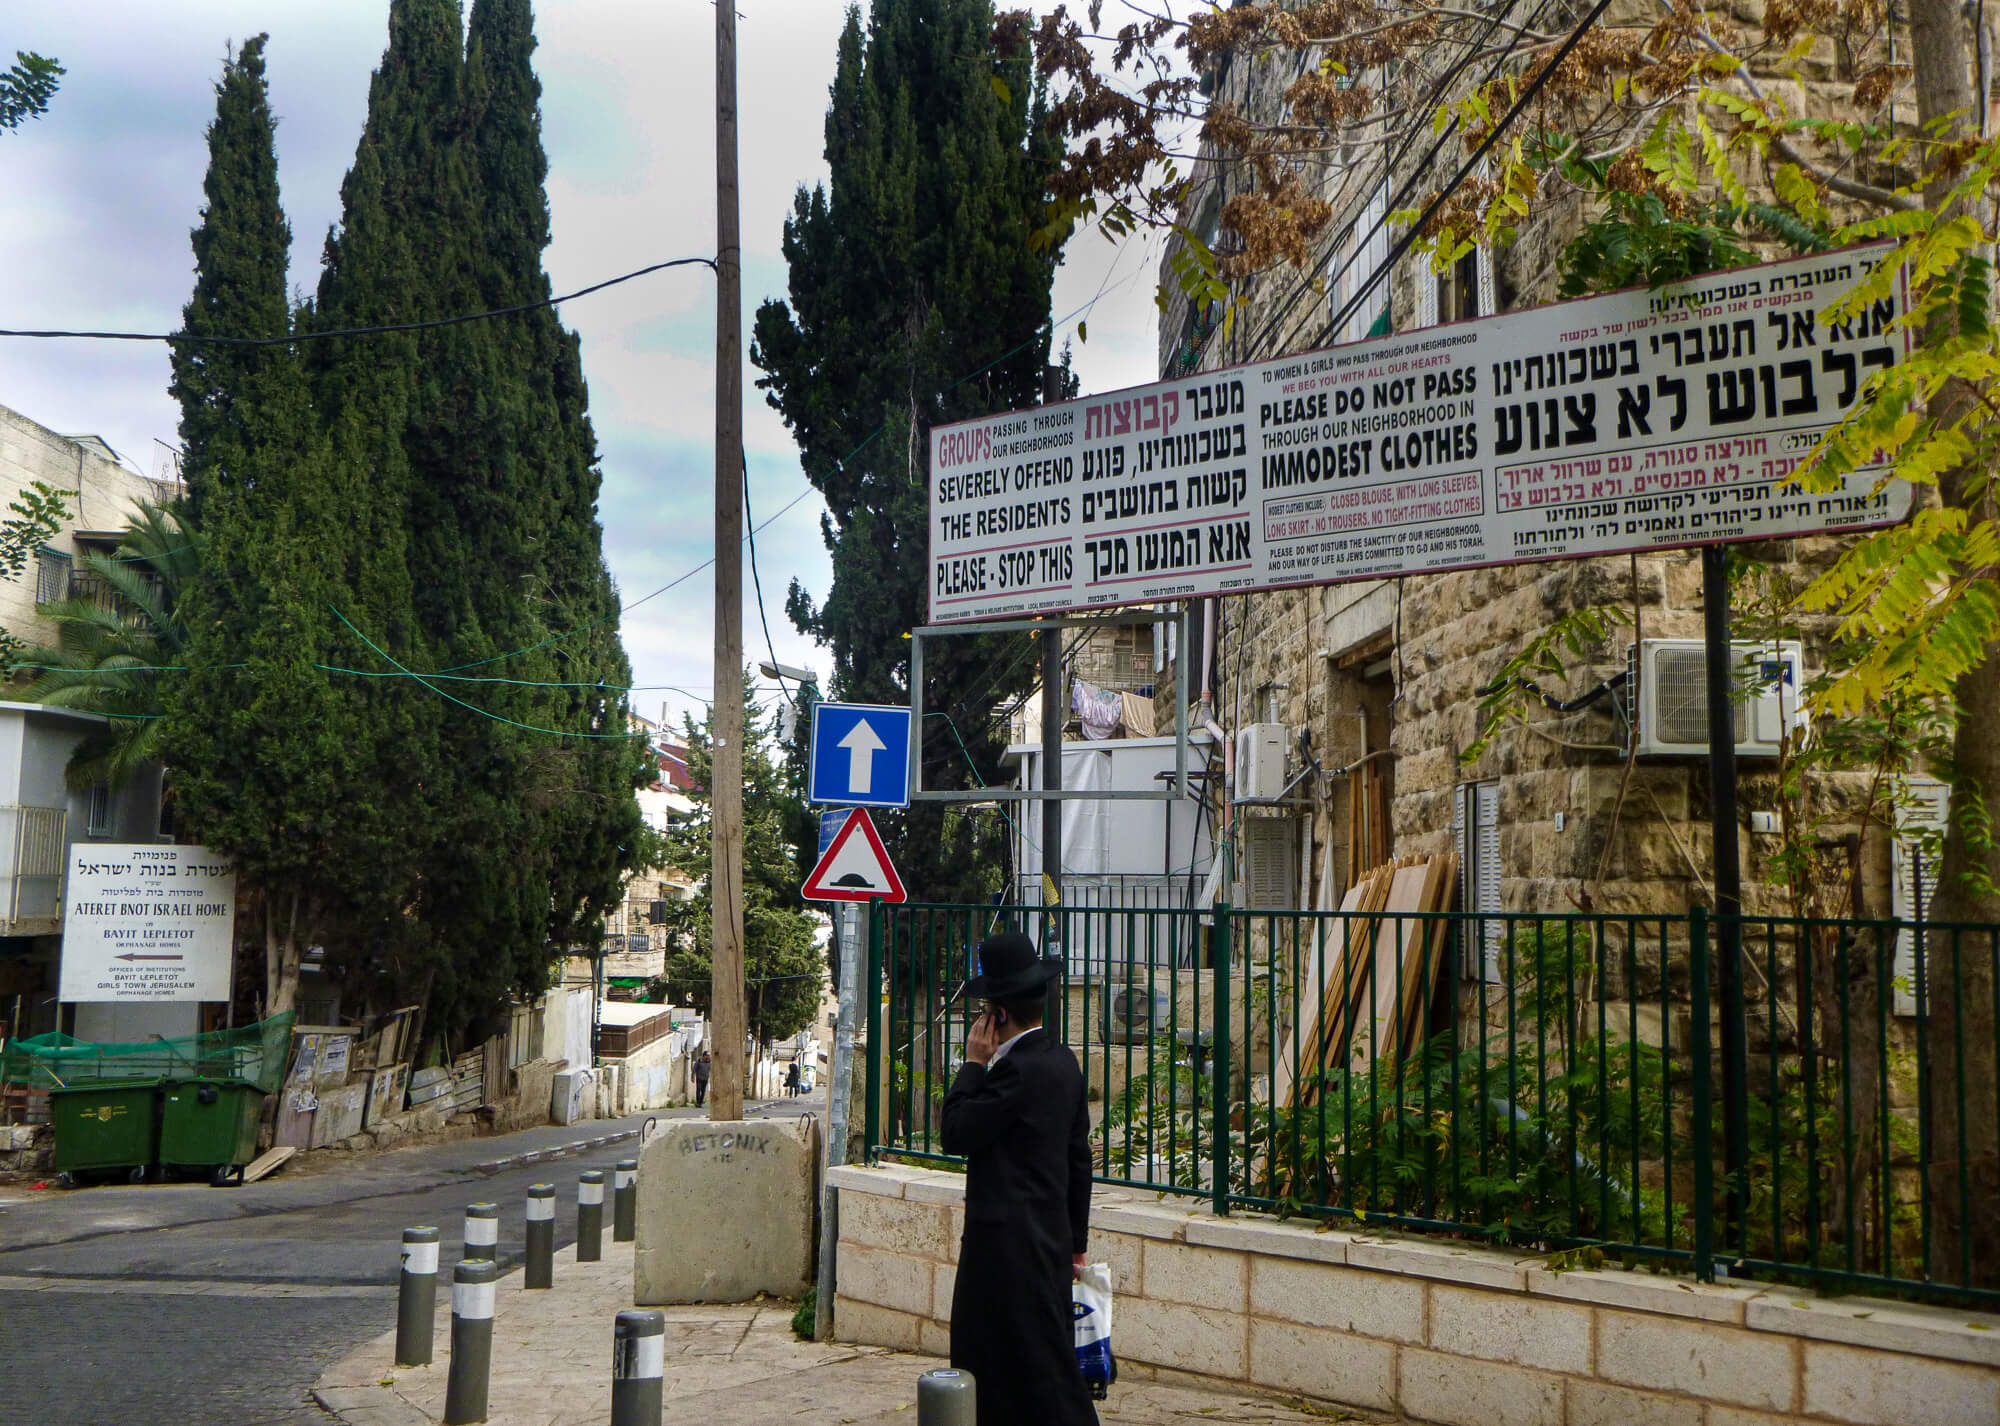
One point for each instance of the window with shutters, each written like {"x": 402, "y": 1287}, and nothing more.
{"x": 1266, "y": 864}
{"x": 1362, "y": 256}
{"x": 97, "y": 820}
{"x": 1475, "y": 826}
{"x": 1920, "y": 824}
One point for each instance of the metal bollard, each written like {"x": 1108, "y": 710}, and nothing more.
{"x": 625, "y": 1201}
{"x": 590, "y": 1216}
{"x": 541, "y": 1267}
{"x": 416, "y": 1297}
{"x": 482, "y": 1231}
{"x": 471, "y": 1341}
{"x": 638, "y": 1359}
{"x": 946, "y": 1397}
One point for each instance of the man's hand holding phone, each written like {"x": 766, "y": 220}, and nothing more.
{"x": 983, "y": 1039}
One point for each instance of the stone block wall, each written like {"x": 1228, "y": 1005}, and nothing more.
{"x": 1438, "y": 1331}
{"x": 1447, "y": 635}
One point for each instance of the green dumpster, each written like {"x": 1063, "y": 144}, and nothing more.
{"x": 106, "y": 1124}
{"x": 211, "y": 1124}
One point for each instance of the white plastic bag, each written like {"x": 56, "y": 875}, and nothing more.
{"x": 1090, "y": 1298}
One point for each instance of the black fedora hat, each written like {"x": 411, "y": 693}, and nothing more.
{"x": 1007, "y": 967}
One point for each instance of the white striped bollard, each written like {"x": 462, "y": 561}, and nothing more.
{"x": 946, "y": 1397}
{"x": 471, "y": 1341}
{"x": 541, "y": 1266}
{"x": 638, "y": 1361}
{"x": 590, "y": 1216}
{"x": 416, "y": 1297}
{"x": 625, "y": 1201}
{"x": 482, "y": 1231}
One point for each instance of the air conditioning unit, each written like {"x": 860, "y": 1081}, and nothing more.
{"x": 1670, "y": 692}
{"x": 1132, "y": 1014}
{"x": 1260, "y": 761}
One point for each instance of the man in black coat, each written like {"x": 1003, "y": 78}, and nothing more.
{"x": 1016, "y": 1113}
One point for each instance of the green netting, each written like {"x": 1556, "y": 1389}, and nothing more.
{"x": 253, "y": 1054}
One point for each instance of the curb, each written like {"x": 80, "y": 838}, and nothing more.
{"x": 536, "y": 1156}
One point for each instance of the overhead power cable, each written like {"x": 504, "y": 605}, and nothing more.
{"x": 757, "y": 583}
{"x": 1409, "y": 184}
{"x": 199, "y": 339}
{"x": 1402, "y": 244}
{"x": 1051, "y": 327}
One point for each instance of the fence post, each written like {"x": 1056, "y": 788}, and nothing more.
{"x": 590, "y": 1216}
{"x": 872, "y": 988}
{"x": 416, "y": 1297}
{"x": 625, "y": 1201}
{"x": 540, "y": 1268}
{"x": 471, "y": 1341}
{"x": 482, "y": 1231}
{"x": 638, "y": 1364}
{"x": 946, "y": 1398}
{"x": 1219, "y": 1107}
{"x": 1703, "y": 1106}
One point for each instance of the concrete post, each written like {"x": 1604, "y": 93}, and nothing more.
{"x": 482, "y": 1231}
{"x": 638, "y": 1361}
{"x": 946, "y": 1397}
{"x": 540, "y": 1270}
{"x": 471, "y": 1341}
{"x": 625, "y": 1201}
{"x": 590, "y": 1216}
{"x": 416, "y": 1297}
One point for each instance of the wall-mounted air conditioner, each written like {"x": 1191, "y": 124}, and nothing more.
{"x": 1670, "y": 693}
{"x": 1133, "y": 1014}
{"x": 1260, "y": 762}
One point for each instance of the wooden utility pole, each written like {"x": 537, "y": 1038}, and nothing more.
{"x": 1961, "y": 1033}
{"x": 725, "y": 882}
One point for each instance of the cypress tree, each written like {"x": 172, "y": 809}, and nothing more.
{"x": 586, "y": 822}
{"x": 403, "y": 253}
{"x": 267, "y": 760}
{"x": 909, "y": 273}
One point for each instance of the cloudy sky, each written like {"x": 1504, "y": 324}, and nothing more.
{"x": 101, "y": 194}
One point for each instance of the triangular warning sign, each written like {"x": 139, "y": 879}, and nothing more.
{"x": 854, "y": 867}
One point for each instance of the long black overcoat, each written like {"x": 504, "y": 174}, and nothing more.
{"x": 1024, "y": 1131}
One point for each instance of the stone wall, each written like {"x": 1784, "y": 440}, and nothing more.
{"x": 1440, "y": 1332}
{"x": 1316, "y": 656}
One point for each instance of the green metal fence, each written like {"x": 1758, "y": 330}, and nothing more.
{"x": 1549, "y": 1082}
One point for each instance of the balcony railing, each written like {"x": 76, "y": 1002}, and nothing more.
{"x": 89, "y": 585}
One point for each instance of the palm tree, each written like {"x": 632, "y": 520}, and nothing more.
{"x": 114, "y": 645}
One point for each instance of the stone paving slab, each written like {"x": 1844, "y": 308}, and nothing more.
{"x": 738, "y": 1363}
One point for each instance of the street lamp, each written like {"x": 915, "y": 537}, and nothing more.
{"x": 772, "y": 669}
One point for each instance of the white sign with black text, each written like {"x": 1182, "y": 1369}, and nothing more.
{"x": 147, "y": 923}
{"x": 1634, "y": 421}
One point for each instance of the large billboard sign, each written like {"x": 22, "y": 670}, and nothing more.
{"x": 1634, "y": 421}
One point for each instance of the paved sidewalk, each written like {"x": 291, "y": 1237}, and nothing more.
{"x": 739, "y": 1364}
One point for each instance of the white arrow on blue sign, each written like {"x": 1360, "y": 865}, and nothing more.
{"x": 860, "y": 755}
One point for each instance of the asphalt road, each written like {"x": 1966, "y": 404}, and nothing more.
{"x": 190, "y": 1304}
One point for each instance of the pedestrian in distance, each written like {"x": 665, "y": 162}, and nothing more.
{"x": 792, "y": 1080}
{"x": 700, "y": 1079}
{"x": 1017, "y": 1115}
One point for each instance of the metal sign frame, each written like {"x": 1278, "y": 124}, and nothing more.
{"x": 1176, "y": 790}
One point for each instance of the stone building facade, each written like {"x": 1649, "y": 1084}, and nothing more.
{"x": 1395, "y": 668}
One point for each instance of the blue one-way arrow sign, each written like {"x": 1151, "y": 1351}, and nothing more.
{"x": 860, "y": 755}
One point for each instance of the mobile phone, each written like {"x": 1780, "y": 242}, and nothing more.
{"x": 999, "y": 1015}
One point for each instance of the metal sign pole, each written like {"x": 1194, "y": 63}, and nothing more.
{"x": 847, "y": 936}
{"x": 1728, "y": 877}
